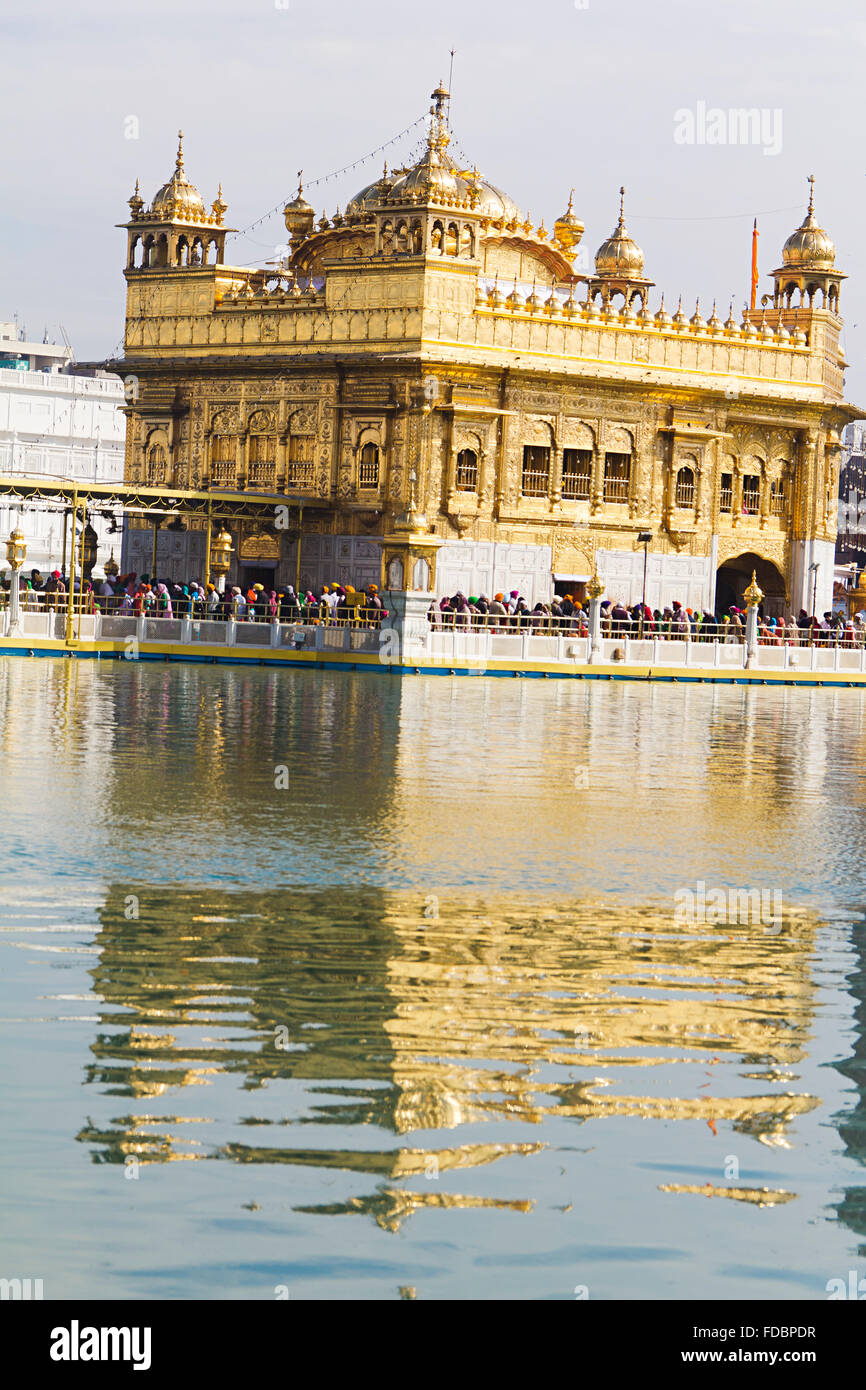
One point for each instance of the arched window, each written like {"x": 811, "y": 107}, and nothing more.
{"x": 155, "y": 465}
{"x": 777, "y": 497}
{"x": 301, "y": 460}
{"x": 751, "y": 494}
{"x": 223, "y": 454}
{"x": 535, "y": 480}
{"x": 369, "y": 470}
{"x": 263, "y": 450}
{"x": 576, "y": 474}
{"x": 182, "y": 252}
{"x": 467, "y": 471}
{"x": 685, "y": 493}
{"x": 617, "y": 477}
{"x": 417, "y": 239}
{"x": 452, "y": 240}
{"x": 401, "y": 239}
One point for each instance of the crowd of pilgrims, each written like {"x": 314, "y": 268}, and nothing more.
{"x": 135, "y": 596}
{"x": 566, "y": 613}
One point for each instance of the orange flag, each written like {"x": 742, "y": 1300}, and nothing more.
{"x": 754, "y": 262}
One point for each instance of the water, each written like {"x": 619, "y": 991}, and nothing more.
{"x": 324, "y": 985}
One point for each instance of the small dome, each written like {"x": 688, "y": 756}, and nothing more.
{"x": 568, "y": 229}
{"x": 178, "y": 197}
{"x": 298, "y": 216}
{"x": 809, "y": 247}
{"x": 619, "y": 256}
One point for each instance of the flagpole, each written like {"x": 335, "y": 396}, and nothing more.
{"x": 754, "y": 264}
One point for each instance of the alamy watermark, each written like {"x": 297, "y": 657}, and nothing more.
{"x": 715, "y": 125}
{"x": 744, "y": 907}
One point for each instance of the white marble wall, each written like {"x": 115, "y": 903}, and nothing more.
{"x": 489, "y": 567}
{"x": 688, "y": 578}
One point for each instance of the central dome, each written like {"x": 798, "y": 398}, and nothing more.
{"x": 436, "y": 176}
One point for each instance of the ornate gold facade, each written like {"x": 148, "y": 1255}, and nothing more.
{"x": 430, "y": 337}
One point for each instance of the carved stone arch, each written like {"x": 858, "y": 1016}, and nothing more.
{"x": 620, "y": 440}
{"x": 452, "y": 239}
{"x": 577, "y": 434}
{"x": 468, "y": 439}
{"x": 262, "y": 422}
{"x": 437, "y": 237}
{"x": 537, "y": 430}
{"x": 417, "y": 237}
{"x": 368, "y": 434}
{"x": 302, "y": 421}
{"x": 225, "y": 421}
{"x": 401, "y": 236}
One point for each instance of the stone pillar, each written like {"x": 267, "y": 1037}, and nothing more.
{"x": 407, "y": 620}
{"x": 594, "y": 589}
{"x": 14, "y": 604}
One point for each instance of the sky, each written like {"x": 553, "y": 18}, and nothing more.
{"x": 560, "y": 93}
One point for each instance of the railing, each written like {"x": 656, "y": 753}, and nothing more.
{"x": 616, "y": 489}
{"x": 576, "y": 487}
{"x": 664, "y": 630}
{"x": 115, "y": 606}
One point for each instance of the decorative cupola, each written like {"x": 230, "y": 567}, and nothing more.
{"x": 808, "y": 274}
{"x": 300, "y": 218}
{"x": 619, "y": 266}
{"x": 175, "y": 232}
{"x": 568, "y": 229}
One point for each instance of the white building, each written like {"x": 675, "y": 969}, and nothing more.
{"x": 56, "y": 424}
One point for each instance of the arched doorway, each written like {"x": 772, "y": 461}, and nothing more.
{"x": 735, "y": 575}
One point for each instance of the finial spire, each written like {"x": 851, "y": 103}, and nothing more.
{"x": 570, "y": 207}
{"x": 179, "y": 163}
{"x": 811, "y": 194}
{"x": 621, "y": 203}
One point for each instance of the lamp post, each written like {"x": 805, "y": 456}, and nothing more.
{"x": 753, "y": 596}
{"x": 594, "y": 590}
{"x": 220, "y": 558}
{"x": 644, "y": 538}
{"x": 16, "y": 554}
{"x": 813, "y": 570}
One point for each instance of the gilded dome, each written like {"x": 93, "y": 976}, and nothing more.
{"x": 619, "y": 256}
{"x": 436, "y": 176}
{"x": 178, "y": 197}
{"x": 809, "y": 247}
{"x": 568, "y": 229}
{"x": 372, "y": 195}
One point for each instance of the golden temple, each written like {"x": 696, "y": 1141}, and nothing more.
{"x": 449, "y": 397}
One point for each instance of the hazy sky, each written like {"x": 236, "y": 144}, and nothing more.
{"x": 545, "y": 96}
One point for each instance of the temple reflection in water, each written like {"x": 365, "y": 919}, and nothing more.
{"x": 412, "y": 1025}
{"x": 461, "y": 923}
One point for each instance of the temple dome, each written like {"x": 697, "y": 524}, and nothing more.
{"x": 436, "y": 176}
{"x": 619, "y": 255}
{"x": 809, "y": 247}
{"x": 179, "y": 197}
